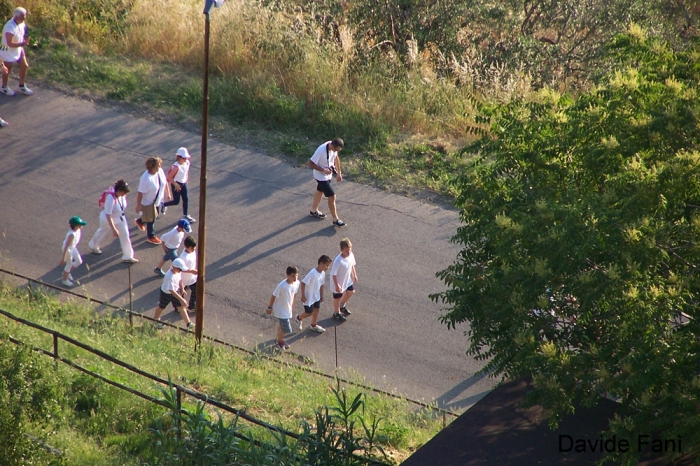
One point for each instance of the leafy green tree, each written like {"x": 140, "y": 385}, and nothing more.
{"x": 581, "y": 244}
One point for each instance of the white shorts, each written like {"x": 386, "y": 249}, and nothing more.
{"x": 73, "y": 259}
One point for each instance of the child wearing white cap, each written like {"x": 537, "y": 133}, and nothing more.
{"x": 172, "y": 291}
{"x": 178, "y": 175}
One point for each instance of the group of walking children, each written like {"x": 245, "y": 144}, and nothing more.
{"x": 154, "y": 190}
{"x": 343, "y": 278}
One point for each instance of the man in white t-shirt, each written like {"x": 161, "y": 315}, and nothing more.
{"x": 282, "y": 305}
{"x": 312, "y": 294}
{"x": 326, "y": 163}
{"x": 152, "y": 186}
{"x": 343, "y": 279}
{"x": 12, "y": 51}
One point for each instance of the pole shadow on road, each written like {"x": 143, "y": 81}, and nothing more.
{"x": 227, "y": 264}
{"x": 444, "y": 400}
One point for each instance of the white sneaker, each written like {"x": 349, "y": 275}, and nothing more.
{"x": 6, "y": 90}
{"x": 97, "y": 251}
{"x": 299, "y": 324}
{"x": 189, "y": 218}
{"x": 70, "y": 277}
{"x": 25, "y": 90}
{"x": 3, "y": 123}
{"x": 317, "y": 328}
{"x": 133, "y": 260}
{"x": 67, "y": 282}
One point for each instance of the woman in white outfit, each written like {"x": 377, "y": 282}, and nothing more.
{"x": 113, "y": 223}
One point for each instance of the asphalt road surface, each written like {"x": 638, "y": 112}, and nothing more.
{"x": 59, "y": 153}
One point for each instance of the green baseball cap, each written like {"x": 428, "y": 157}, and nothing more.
{"x": 75, "y": 221}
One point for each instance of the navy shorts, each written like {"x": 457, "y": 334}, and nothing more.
{"x": 340, "y": 295}
{"x": 310, "y": 309}
{"x": 167, "y": 298}
{"x": 325, "y": 187}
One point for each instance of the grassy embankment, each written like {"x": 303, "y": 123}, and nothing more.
{"x": 107, "y": 426}
{"x": 285, "y": 77}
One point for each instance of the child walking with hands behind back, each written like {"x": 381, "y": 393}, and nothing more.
{"x": 282, "y": 305}
{"x": 343, "y": 280}
{"x": 71, "y": 256}
{"x": 171, "y": 243}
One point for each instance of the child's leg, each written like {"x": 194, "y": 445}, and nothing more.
{"x": 193, "y": 296}
{"x": 176, "y": 197}
{"x": 280, "y": 333}
{"x": 185, "y": 199}
{"x": 314, "y": 318}
{"x": 346, "y": 297}
{"x": 336, "y": 302}
{"x": 183, "y": 313}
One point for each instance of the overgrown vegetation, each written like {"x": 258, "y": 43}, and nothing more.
{"x": 395, "y": 79}
{"x": 95, "y": 424}
{"x": 580, "y": 245}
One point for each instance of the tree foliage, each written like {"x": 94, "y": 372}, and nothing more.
{"x": 581, "y": 243}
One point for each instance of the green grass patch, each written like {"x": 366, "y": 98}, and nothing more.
{"x": 269, "y": 119}
{"x": 109, "y": 423}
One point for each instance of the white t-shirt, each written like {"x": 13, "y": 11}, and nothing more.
{"x": 342, "y": 268}
{"x": 190, "y": 259}
{"x": 284, "y": 299}
{"x": 182, "y": 175}
{"x": 173, "y": 238}
{"x": 76, "y": 238}
{"x": 324, "y": 160}
{"x": 152, "y": 187}
{"x": 171, "y": 281}
{"x": 12, "y": 54}
{"x": 313, "y": 281}
{"x": 115, "y": 207}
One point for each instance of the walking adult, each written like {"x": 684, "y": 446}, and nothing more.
{"x": 113, "y": 223}
{"x": 152, "y": 186}
{"x": 12, "y": 51}
{"x": 326, "y": 163}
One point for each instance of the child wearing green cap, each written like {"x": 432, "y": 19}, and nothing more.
{"x": 71, "y": 257}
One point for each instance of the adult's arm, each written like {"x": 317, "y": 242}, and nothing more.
{"x": 339, "y": 175}
{"x": 316, "y": 166}
{"x": 139, "y": 198}
{"x": 9, "y": 38}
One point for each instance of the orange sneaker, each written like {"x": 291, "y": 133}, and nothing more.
{"x": 154, "y": 240}
{"x": 140, "y": 224}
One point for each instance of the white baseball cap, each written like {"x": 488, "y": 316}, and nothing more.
{"x": 182, "y": 152}
{"x": 180, "y": 264}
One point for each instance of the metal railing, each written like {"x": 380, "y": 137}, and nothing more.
{"x": 130, "y": 314}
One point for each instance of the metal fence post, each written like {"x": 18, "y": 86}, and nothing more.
{"x": 55, "y": 350}
{"x": 31, "y": 291}
{"x": 178, "y": 402}
{"x": 131, "y": 298}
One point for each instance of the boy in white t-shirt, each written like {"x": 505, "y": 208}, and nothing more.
{"x": 171, "y": 291}
{"x": 343, "y": 279}
{"x": 71, "y": 256}
{"x": 171, "y": 243}
{"x": 189, "y": 278}
{"x": 282, "y": 305}
{"x": 312, "y": 294}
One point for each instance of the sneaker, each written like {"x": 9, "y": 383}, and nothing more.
{"x": 159, "y": 272}
{"x": 345, "y": 311}
{"x": 189, "y": 218}
{"x": 317, "y": 328}
{"x": 282, "y": 345}
{"x": 339, "y": 317}
{"x": 3, "y": 123}
{"x": 70, "y": 277}
{"x": 163, "y": 209}
{"x": 339, "y": 223}
{"x": 190, "y": 326}
{"x": 154, "y": 240}
{"x": 6, "y": 90}
{"x": 97, "y": 251}
{"x": 159, "y": 325}
{"x": 25, "y": 90}
{"x": 317, "y": 214}
{"x": 133, "y": 260}
{"x": 299, "y": 324}
{"x": 67, "y": 282}
{"x": 140, "y": 224}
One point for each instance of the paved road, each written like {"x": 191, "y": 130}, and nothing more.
{"x": 59, "y": 153}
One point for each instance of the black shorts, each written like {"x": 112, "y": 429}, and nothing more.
{"x": 325, "y": 187}
{"x": 167, "y": 298}
{"x": 340, "y": 295}
{"x": 310, "y": 309}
